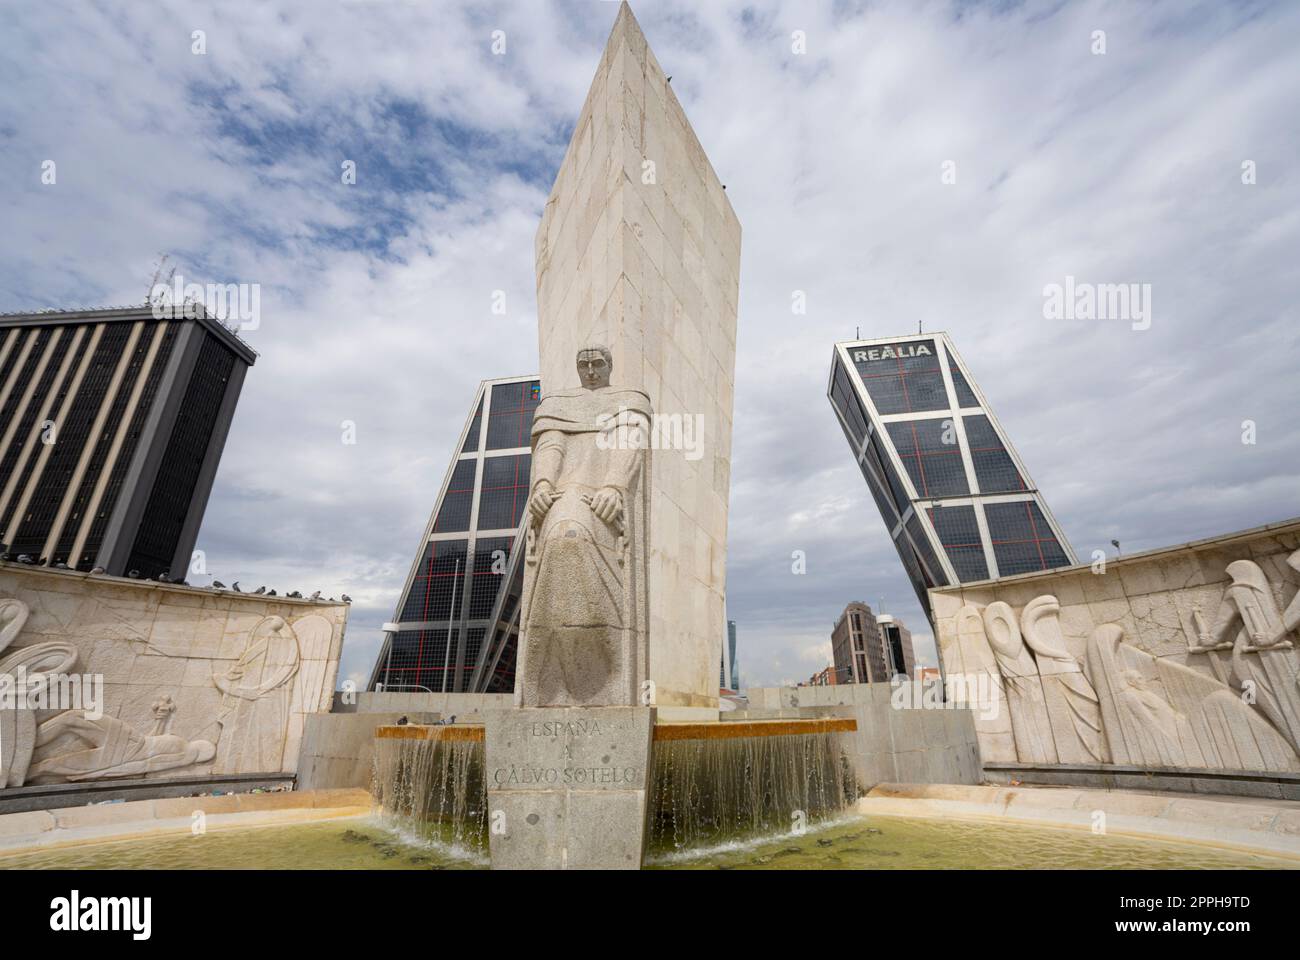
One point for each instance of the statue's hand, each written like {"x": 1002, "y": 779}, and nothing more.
{"x": 541, "y": 500}
{"x": 607, "y": 504}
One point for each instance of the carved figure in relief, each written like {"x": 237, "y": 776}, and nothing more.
{"x": 41, "y": 662}
{"x": 114, "y": 750}
{"x": 1157, "y": 712}
{"x": 1263, "y": 664}
{"x": 1071, "y": 701}
{"x": 255, "y": 704}
{"x": 1024, "y": 687}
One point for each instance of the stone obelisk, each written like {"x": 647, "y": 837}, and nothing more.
{"x": 639, "y": 250}
{"x": 637, "y": 275}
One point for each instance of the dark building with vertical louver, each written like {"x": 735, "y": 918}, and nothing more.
{"x": 112, "y": 424}
{"x": 955, "y": 497}
{"x": 457, "y": 623}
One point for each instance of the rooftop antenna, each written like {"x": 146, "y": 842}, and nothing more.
{"x": 857, "y": 333}
{"x": 918, "y": 327}
{"x": 159, "y": 265}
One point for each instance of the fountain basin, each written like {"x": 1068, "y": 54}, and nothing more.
{"x": 143, "y": 819}
{"x": 1263, "y": 826}
{"x": 850, "y": 843}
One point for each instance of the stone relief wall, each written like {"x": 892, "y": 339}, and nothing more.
{"x": 195, "y": 682}
{"x": 1179, "y": 658}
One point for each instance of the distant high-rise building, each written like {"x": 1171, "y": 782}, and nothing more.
{"x": 112, "y": 423}
{"x": 956, "y": 499}
{"x": 855, "y": 646}
{"x": 730, "y": 671}
{"x": 457, "y": 622}
{"x": 870, "y": 649}
{"x": 896, "y": 640}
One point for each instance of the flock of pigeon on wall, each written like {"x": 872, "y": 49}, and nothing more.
{"x": 29, "y": 560}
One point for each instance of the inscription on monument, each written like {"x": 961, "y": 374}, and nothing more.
{"x": 583, "y": 752}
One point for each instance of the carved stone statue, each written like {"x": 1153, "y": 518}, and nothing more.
{"x": 113, "y": 750}
{"x": 584, "y": 615}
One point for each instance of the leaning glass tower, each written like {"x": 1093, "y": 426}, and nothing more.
{"x": 956, "y": 499}
{"x": 457, "y": 621}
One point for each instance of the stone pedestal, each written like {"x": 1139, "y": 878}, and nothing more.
{"x": 567, "y": 787}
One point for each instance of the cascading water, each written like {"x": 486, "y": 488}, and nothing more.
{"x": 433, "y": 790}
{"x": 710, "y": 791}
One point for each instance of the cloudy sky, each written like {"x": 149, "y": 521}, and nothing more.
{"x": 1119, "y": 167}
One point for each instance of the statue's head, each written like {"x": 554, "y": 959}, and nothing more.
{"x": 595, "y": 364}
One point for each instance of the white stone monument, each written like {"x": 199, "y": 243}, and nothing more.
{"x": 637, "y": 276}
{"x": 639, "y": 250}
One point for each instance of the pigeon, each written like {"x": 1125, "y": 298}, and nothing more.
{"x": 134, "y": 574}
{"x": 296, "y": 595}
{"x": 218, "y": 585}
{"x": 6, "y": 556}
{"x": 260, "y": 590}
{"x": 163, "y": 578}
{"x": 316, "y": 595}
{"x": 235, "y": 586}
{"x": 59, "y": 565}
{"x": 346, "y": 598}
{"x": 402, "y": 721}
{"x": 24, "y": 558}
{"x": 96, "y": 569}
{"x": 271, "y": 593}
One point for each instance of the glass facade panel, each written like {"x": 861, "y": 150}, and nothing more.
{"x": 994, "y": 469}
{"x": 453, "y": 517}
{"x": 902, "y": 378}
{"x": 923, "y": 550}
{"x": 876, "y": 456}
{"x": 415, "y": 660}
{"x": 959, "y": 533}
{"x": 473, "y": 647}
{"x": 490, "y": 555}
{"x": 876, "y": 486}
{"x": 430, "y": 598}
{"x": 505, "y": 492}
{"x": 511, "y": 416}
{"x": 1022, "y": 540}
{"x": 844, "y": 397}
{"x": 932, "y": 456}
{"x": 471, "y": 438}
{"x": 965, "y": 395}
